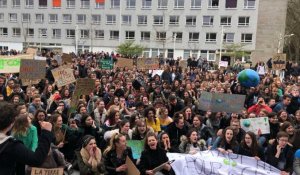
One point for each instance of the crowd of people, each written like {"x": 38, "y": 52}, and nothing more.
{"x": 134, "y": 104}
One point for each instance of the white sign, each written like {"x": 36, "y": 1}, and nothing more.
{"x": 40, "y": 58}
{"x": 63, "y": 76}
{"x": 156, "y": 72}
{"x": 223, "y": 63}
{"x": 214, "y": 162}
{"x": 254, "y": 124}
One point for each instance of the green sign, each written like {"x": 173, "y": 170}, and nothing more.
{"x": 10, "y": 65}
{"x": 106, "y": 64}
{"x": 137, "y": 146}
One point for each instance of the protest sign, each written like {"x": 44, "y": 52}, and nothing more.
{"x": 255, "y": 124}
{"x": 31, "y": 51}
{"x": 44, "y": 171}
{"x": 84, "y": 86}
{"x": 223, "y": 63}
{"x": 106, "y": 64}
{"x": 124, "y": 62}
{"x": 137, "y": 147}
{"x": 155, "y": 72}
{"x": 11, "y": 64}
{"x": 66, "y": 58}
{"x": 183, "y": 63}
{"x": 279, "y": 61}
{"x": 32, "y": 69}
{"x": 26, "y": 82}
{"x": 220, "y": 102}
{"x": 214, "y": 162}
{"x": 63, "y": 75}
{"x": 131, "y": 168}
{"x": 39, "y": 58}
{"x": 147, "y": 63}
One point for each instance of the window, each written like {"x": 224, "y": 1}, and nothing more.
{"x": 186, "y": 54}
{"x": 53, "y": 18}
{"x": 194, "y": 36}
{"x": 96, "y": 19}
{"x": 145, "y": 36}
{"x": 157, "y": 52}
{"x": 146, "y": 53}
{"x": 25, "y": 17}
{"x": 174, "y": 20}
{"x": 39, "y": 18}
{"x": 195, "y": 4}
{"x": 1, "y": 16}
{"x": 244, "y": 21}
{"x": 16, "y": 3}
{"x": 100, "y": 5}
{"x": 190, "y": 21}
{"x": 67, "y": 18}
{"x": 225, "y": 21}
{"x": 146, "y": 4}
{"x": 29, "y": 32}
{"x": 177, "y": 36}
{"x": 70, "y": 33}
{"x": 158, "y": 20}
{"x": 208, "y": 20}
{"x": 56, "y": 33}
{"x": 162, "y": 4}
{"x": 3, "y": 31}
{"x": 3, "y": 3}
{"x": 249, "y": 4}
{"x": 70, "y": 4}
{"x": 43, "y": 3}
{"x": 29, "y": 3}
{"x": 43, "y": 33}
{"x": 211, "y": 37}
{"x": 142, "y": 19}
{"x": 99, "y": 34}
{"x": 110, "y": 19}
{"x": 85, "y": 4}
{"x": 161, "y": 36}
{"x": 84, "y": 34}
{"x": 81, "y": 19}
{"x": 16, "y": 32}
{"x": 126, "y": 19}
{"x": 228, "y": 37}
{"x": 178, "y": 4}
{"x": 130, "y": 4}
{"x": 231, "y": 4}
{"x": 246, "y": 38}
{"x": 114, "y": 35}
{"x": 129, "y": 35}
{"x": 13, "y": 17}
{"x": 114, "y": 4}
{"x": 212, "y": 4}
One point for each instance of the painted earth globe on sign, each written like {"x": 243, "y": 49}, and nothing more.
{"x": 248, "y": 78}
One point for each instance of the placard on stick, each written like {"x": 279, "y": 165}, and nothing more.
{"x": 44, "y": 171}
{"x": 63, "y": 75}
{"x": 32, "y": 69}
{"x": 124, "y": 62}
{"x": 279, "y": 61}
{"x": 84, "y": 86}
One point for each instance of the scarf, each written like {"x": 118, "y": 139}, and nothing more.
{"x": 95, "y": 161}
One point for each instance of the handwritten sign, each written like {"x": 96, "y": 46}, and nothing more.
{"x": 44, "y": 171}
{"x": 219, "y": 102}
{"x": 223, "y": 63}
{"x": 106, "y": 64}
{"x": 214, "y": 162}
{"x": 124, "y": 62}
{"x": 137, "y": 147}
{"x": 84, "y": 86}
{"x": 11, "y": 64}
{"x": 32, "y": 69}
{"x": 279, "y": 61}
{"x": 63, "y": 76}
{"x": 26, "y": 82}
{"x": 255, "y": 124}
{"x": 148, "y": 63}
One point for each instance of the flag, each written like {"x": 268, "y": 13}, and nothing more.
{"x": 56, "y": 3}
{"x": 100, "y": 1}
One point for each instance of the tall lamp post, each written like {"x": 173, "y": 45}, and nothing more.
{"x": 281, "y": 38}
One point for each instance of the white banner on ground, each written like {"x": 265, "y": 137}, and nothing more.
{"x": 214, "y": 162}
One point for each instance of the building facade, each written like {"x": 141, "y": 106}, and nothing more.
{"x": 172, "y": 28}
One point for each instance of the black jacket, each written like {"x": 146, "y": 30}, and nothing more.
{"x": 175, "y": 134}
{"x": 13, "y": 152}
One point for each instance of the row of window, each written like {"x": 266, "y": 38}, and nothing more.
{"x": 131, "y": 4}
{"x": 127, "y": 19}
{"x": 129, "y": 35}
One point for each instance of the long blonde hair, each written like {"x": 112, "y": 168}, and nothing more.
{"x": 112, "y": 143}
{"x": 21, "y": 125}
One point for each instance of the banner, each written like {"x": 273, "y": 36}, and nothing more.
{"x": 137, "y": 147}
{"x": 44, "y": 171}
{"x": 255, "y": 124}
{"x": 32, "y": 69}
{"x": 11, "y": 64}
{"x": 124, "y": 62}
{"x": 279, "y": 61}
{"x": 63, "y": 75}
{"x": 220, "y": 102}
{"x": 214, "y": 162}
{"x": 147, "y": 63}
{"x": 106, "y": 64}
{"x": 100, "y": 1}
{"x": 56, "y": 3}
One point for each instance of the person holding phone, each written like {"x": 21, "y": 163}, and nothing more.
{"x": 259, "y": 106}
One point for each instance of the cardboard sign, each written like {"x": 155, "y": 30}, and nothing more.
{"x": 31, "y": 51}
{"x": 279, "y": 61}
{"x": 147, "y": 63}
{"x": 44, "y": 171}
{"x": 63, "y": 75}
{"x": 106, "y": 64}
{"x": 137, "y": 147}
{"x": 67, "y": 58}
{"x": 219, "y": 102}
{"x": 255, "y": 124}
{"x": 26, "y": 82}
{"x": 124, "y": 62}
{"x": 223, "y": 63}
{"x": 32, "y": 69}
{"x": 84, "y": 86}
{"x": 11, "y": 64}
{"x": 183, "y": 63}
{"x": 131, "y": 168}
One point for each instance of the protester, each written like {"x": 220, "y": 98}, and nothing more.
{"x": 190, "y": 144}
